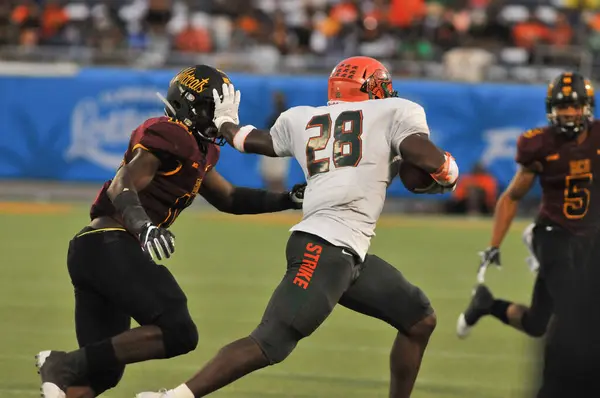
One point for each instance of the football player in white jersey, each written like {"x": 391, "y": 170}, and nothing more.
{"x": 344, "y": 149}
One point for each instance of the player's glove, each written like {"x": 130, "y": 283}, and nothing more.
{"x": 491, "y": 255}
{"x": 297, "y": 195}
{"x": 159, "y": 243}
{"x": 226, "y": 109}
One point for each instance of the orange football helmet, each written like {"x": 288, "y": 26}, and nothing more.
{"x": 359, "y": 79}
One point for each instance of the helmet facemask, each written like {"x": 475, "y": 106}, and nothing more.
{"x": 570, "y": 104}
{"x": 571, "y": 124}
{"x": 379, "y": 85}
{"x": 195, "y": 113}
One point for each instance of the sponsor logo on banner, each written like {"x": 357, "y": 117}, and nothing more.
{"x": 500, "y": 144}
{"x": 101, "y": 126}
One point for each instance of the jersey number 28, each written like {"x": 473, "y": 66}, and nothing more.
{"x": 347, "y": 144}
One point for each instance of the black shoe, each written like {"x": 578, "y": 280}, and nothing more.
{"x": 480, "y": 305}
{"x": 51, "y": 365}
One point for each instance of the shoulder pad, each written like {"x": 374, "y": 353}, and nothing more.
{"x": 168, "y": 136}
{"x": 533, "y": 132}
{"x": 530, "y": 146}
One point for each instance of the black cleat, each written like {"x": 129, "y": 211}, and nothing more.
{"x": 51, "y": 365}
{"x": 480, "y": 305}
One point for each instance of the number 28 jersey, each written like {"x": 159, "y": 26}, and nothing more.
{"x": 345, "y": 151}
{"x": 569, "y": 176}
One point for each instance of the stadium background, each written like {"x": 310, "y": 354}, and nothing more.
{"x": 77, "y": 76}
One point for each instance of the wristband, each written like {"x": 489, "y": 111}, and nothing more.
{"x": 240, "y": 137}
{"x": 131, "y": 210}
{"x": 447, "y": 174}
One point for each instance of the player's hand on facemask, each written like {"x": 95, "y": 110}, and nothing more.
{"x": 226, "y": 109}
{"x": 158, "y": 242}
{"x": 297, "y": 195}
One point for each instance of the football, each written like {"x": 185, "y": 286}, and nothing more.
{"x": 414, "y": 178}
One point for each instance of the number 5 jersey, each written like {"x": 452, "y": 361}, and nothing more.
{"x": 567, "y": 171}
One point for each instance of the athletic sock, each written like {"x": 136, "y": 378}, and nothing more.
{"x": 499, "y": 309}
{"x": 100, "y": 356}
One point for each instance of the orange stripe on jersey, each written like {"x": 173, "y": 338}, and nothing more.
{"x": 174, "y": 171}
{"x": 552, "y": 157}
{"x": 136, "y": 146}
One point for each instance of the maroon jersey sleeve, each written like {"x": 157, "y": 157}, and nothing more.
{"x": 166, "y": 139}
{"x": 530, "y": 147}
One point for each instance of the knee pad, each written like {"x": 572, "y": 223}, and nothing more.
{"x": 103, "y": 381}
{"x": 533, "y": 326}
{"x": 180, "y": 334}
{"x": 276, "y": 340}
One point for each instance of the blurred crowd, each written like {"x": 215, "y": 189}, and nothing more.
{"x": 477, "y": 33}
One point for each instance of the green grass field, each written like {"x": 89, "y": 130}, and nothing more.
{"x": 229, "y": 266}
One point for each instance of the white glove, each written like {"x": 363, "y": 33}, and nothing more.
{"x": 226, "y": 110}
{"x": 159, "y": 243}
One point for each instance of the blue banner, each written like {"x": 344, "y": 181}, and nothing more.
{"x": 76, "y": 128}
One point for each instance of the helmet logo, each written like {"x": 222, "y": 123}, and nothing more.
{"x": 188, "y": 79}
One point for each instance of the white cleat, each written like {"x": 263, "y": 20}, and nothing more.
{"x": 480, "y": 305}
{"x": 462, "y": 328}
{"x": 40, "y": 359}
{"x": 160, "y": 394}
{"x": 48, "y": 389}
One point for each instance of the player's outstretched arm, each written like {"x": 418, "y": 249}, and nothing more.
{"x": 506, "y": 210}
{"x": 508, "y": 203}
{"x": 228, "y": 198}
{"x": 248, "y": 139}
{"x": 420, "y": 151}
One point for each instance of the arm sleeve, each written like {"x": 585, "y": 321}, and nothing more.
{"x": 280, "y": 134}
{"x": 409, "y": 119}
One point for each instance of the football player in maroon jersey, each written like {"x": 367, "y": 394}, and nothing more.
{"x": 169, "y": 160}
{"x": 565, "y": 156}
